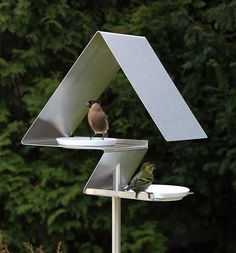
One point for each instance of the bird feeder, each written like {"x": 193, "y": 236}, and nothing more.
{"x": 92, "y": 72}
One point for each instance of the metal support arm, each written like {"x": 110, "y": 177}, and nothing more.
{"x": 116, "y": 213}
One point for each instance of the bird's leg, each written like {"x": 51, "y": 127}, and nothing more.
{"x": 104, "y": 135}
{"x": 149, "y": 194}
{"x": 93, "y": 136}
{"x": 136, "y": 194}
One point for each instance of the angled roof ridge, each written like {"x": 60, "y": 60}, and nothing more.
{"x": 92, "y": 72}
{"x": 120, "y": 34}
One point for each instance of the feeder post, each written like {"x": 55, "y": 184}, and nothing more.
{"x": 116, "y": 213}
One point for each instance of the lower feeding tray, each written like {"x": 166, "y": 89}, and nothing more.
{"x": 168, "y": 192}
{"x": 86, "y": 141}
{"x": 155, "y": 192}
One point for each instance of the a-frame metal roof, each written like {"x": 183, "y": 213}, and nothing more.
{"x": 92, "y": 72}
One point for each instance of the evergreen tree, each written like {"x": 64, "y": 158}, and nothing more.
{"x": 41, "y": 198}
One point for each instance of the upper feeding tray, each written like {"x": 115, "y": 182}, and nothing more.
{"x": 86, "y": 141}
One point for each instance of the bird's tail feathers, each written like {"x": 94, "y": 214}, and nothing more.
{"x": 127, "y": 188}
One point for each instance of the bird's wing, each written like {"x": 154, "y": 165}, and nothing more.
{"x": 139, "y": 184}
{"x": 139, "y": 177}
{"x": 105, "y": 115}
{"x": 106, "y": 119}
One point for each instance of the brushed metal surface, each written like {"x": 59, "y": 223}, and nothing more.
{"x": 92, "y": 73}
{"x": 154, "y": 87}
{"x": 86, "y": 80}
{"x": 102, "y": 176}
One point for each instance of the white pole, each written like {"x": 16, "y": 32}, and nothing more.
{"x": 116, "y": 213}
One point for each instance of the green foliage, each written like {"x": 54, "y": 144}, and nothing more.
{"x": 27, "y": 246}
{"x": 41, "y": 198}
{"x": 144, "y": 238}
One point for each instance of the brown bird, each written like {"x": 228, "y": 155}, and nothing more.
{"x": 97, "y": 118}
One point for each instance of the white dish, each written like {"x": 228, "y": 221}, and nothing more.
{"x": 86, "y": 141}
{"x": 168, "y": 191}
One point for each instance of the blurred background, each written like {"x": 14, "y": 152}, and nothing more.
{"x": 41, "y": 199}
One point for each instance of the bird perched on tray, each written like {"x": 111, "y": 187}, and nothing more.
{"x": 142, "y": 180}
{"x": 97, "y": 118}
